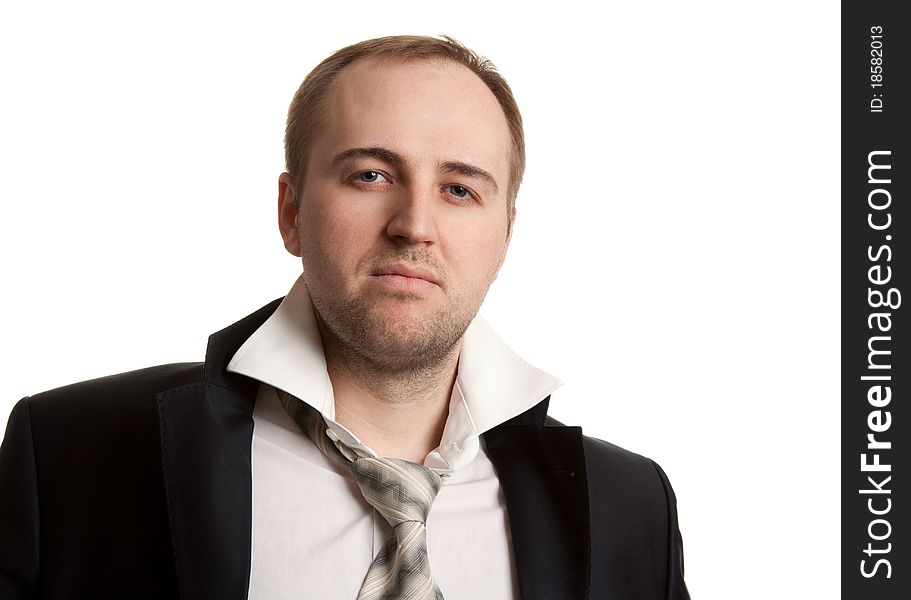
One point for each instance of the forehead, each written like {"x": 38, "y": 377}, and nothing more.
{"x": 428, "y": 108}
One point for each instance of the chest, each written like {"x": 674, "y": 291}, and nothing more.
{"x": 314, "y": 533}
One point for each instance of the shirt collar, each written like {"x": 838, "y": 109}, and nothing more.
{"x": 493, "y": 384}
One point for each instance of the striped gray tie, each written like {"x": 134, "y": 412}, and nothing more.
{"x": 403, "y": 493}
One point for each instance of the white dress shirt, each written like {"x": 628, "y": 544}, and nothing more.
{"x": 314, "y": 535}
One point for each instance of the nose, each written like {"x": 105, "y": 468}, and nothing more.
{"x": 412, "y": 219}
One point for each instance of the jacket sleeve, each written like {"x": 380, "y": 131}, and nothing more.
{"x": 676, "y": 587}
{"x": 18, "y": 508}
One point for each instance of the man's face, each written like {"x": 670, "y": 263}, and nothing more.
{"x": 402, "y": 223}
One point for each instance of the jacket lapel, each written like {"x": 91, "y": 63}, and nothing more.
{"x": 541, "y": 467}
{"x": 206, "y": 433}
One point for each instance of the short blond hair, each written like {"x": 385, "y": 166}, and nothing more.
{"x": 305, "y": 112}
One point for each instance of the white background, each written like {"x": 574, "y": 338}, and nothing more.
{"x": 675, "y": 258}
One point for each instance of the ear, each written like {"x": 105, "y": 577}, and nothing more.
{"x": 509, "y": 226}
{"x": 287, "y": 214}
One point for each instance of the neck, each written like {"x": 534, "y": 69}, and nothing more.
{"x": 399, "y": 414}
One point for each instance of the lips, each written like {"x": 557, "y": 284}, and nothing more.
{"x": 409, "y": 271}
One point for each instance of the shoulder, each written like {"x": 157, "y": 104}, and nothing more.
{"x": 621, "y": 482}
{"x": 132, "y": 384}
{"x": 633, "y": 520}
{"x": 117, "y": 405}
{"x": 609, "y": 465}
{"x": 620, "y": 463}
{"x": 618, "y": 475}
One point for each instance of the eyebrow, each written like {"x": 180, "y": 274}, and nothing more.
{"x": 382, "y": 154}
{"x": 470, "y": 171}
{"x": 397, "y": 160}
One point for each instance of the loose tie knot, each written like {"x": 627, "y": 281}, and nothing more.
{"x": 400, "y": 490}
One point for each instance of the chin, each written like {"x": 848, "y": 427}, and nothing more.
{"x": 411, "y": 342}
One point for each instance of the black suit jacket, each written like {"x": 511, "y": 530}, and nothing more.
{"x": 139, "y": 486}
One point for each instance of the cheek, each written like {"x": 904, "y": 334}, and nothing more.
{"x": 477, "y": 255}
{"x": 332, "y": 238}
{"x": 317, "y": 232}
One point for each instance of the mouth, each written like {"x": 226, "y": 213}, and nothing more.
{"x": 400, "y": 270}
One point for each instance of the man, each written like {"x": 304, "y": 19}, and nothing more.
{"x": 368, "y": 436}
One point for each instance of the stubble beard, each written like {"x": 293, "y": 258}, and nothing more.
{"x": 369, "y": 342}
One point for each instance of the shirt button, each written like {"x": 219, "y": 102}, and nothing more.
{"x": 332, "y": 435}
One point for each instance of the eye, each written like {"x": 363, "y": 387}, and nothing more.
{"x": 371, "y": 177}
{"x": 460, "y": 192}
